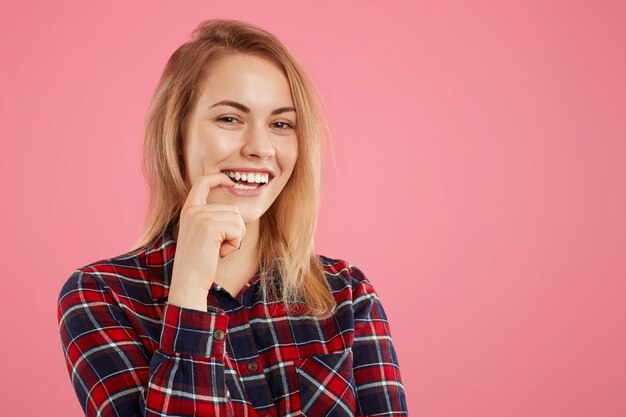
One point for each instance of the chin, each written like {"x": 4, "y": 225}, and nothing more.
{"x": 250, "y": 217}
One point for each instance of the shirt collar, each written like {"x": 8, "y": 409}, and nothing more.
{"x": 160, "y": 263}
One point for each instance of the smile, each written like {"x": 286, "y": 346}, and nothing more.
{"x": 248, "y": 180}
{"x": 248, "y": 184}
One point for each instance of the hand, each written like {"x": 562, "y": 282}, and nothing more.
{"x": 206, "y": 231}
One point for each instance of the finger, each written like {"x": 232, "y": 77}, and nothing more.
{"x": 227, "y": 208}
{"x": 213, "y": 207}
{"x": 220, "y": 216}
{"x": 243, "y": 225}
{"x": 202, "y": 186}
{"x": 230, "y": 211}
{"x": 233, "y": 239}
{"x": 223, "y": 216}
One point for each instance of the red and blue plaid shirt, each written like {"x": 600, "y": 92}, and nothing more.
{"x": 130, "y": 353}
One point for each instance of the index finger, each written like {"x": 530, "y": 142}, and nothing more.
{"x": 202, "y": 186}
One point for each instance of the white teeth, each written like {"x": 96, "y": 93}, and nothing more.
{"x": 248, "y": 177}
{"x": 244, "y": 187}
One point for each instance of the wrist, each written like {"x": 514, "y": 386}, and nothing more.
{"x": 192, "y": 298}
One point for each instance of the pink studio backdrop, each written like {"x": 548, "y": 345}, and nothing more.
{"x": 477, "y": 177}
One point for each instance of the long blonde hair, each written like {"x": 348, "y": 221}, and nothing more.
{"x": 286, "y": 246}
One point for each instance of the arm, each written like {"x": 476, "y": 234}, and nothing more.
{"x": 377, "y": 376}
{"x": 112, "y": 373}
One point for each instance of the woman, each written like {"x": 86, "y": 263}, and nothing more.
{"x": 223, "y": 307}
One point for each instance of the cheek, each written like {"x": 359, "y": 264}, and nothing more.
{"x": 289, "y": 156}
{"x": 193, "y": 161}
{"x": 207, "y": 149}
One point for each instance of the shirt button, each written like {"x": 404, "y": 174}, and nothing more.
{"x": 252, "y": 366}
{"x": 218, "y": 334}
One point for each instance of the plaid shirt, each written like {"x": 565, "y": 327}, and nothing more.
{"x": 130, "y": 353}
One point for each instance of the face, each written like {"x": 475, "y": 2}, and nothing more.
{"x": 244, "y": 122}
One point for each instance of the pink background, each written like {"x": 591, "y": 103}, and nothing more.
{"x": 478, "y": 180}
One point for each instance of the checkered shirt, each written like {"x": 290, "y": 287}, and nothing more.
{"x": 130, "y": 353}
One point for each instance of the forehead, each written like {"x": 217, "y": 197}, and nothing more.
{"x": 254, "y": 81}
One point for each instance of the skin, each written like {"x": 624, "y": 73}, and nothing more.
{"x": 213, "y": 221}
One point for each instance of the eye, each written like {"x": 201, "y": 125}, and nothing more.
{"x": 283, "y": 124}
{"x": 228, "y": 119}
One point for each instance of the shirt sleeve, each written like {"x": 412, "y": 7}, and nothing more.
{"x": 377, "y": 375}
{"x": 111, "y": 371}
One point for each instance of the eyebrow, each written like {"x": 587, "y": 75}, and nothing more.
{"x": 246, "y": 109}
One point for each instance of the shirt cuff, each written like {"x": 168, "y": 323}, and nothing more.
{"x": 194, "y": 332}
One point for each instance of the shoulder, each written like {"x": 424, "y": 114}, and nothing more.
{"x": 353, "y": 290}
{"x": 343, "y": 275}
{"x": 115, "y": 274}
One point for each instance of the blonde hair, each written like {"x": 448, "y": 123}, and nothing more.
{"x": 286, "y": 243}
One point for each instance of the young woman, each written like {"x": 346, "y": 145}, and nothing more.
{"x": 223, "y": 307}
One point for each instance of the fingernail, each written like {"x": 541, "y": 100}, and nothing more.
{"x": 239, "y": 246}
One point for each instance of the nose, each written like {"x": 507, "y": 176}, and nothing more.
{"x": 258, "y": 143}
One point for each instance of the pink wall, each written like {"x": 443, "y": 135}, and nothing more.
{"x": 478, "y": 180}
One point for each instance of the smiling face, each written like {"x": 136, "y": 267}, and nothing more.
{"x": 243, "y": 121}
